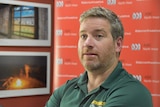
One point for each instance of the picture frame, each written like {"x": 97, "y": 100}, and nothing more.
{"x": 25, "y": 23}
{"x": 24, "y": 73}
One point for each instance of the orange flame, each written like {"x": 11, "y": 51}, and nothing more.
{"x": 18, "y": 83}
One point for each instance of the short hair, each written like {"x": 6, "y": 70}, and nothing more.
{"x": 101, "y": 12}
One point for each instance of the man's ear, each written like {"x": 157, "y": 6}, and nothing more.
{"x": 118, "y": 44}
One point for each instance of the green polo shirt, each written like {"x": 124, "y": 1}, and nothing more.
{"x": 119, "y": 90}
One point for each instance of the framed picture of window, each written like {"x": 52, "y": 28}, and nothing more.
{"x": 24, "y": 73}
{"x": 25, "y": 23}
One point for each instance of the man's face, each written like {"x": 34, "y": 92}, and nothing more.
{"x": 96, "y": 47}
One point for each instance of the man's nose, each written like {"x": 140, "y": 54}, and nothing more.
{"x": 89, "y": 42}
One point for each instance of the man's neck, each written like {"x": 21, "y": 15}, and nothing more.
{"x": 96, "y": 78}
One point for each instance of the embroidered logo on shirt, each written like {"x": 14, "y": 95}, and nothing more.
{"x": 97, "y": 103}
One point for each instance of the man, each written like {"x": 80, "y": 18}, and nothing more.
{"x": 105, "y": 82}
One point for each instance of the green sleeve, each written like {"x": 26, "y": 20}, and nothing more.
{"x": 55, "y": 98}
{"x": 133, "y": 95}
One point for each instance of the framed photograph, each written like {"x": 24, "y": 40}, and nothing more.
{"x": 25, "y": 23}
{"x": 24, "y": 73}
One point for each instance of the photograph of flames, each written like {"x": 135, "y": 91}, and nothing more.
{"x": 22, "y": 72}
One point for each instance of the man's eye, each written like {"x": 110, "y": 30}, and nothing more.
{"x": 99, "y": 36}
{"x": 83, "y": 36}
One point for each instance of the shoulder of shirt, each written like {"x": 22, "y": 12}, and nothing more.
{"x": 68, "y": 85}
{"x": 72, "y": 81}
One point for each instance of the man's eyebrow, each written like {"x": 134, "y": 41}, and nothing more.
{"x": 99, "y": 30}
{"x": 96, "y": 30}
{"x": 82, "y": 31}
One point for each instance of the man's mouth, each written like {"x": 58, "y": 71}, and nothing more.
{"x": 89, "y": 54}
